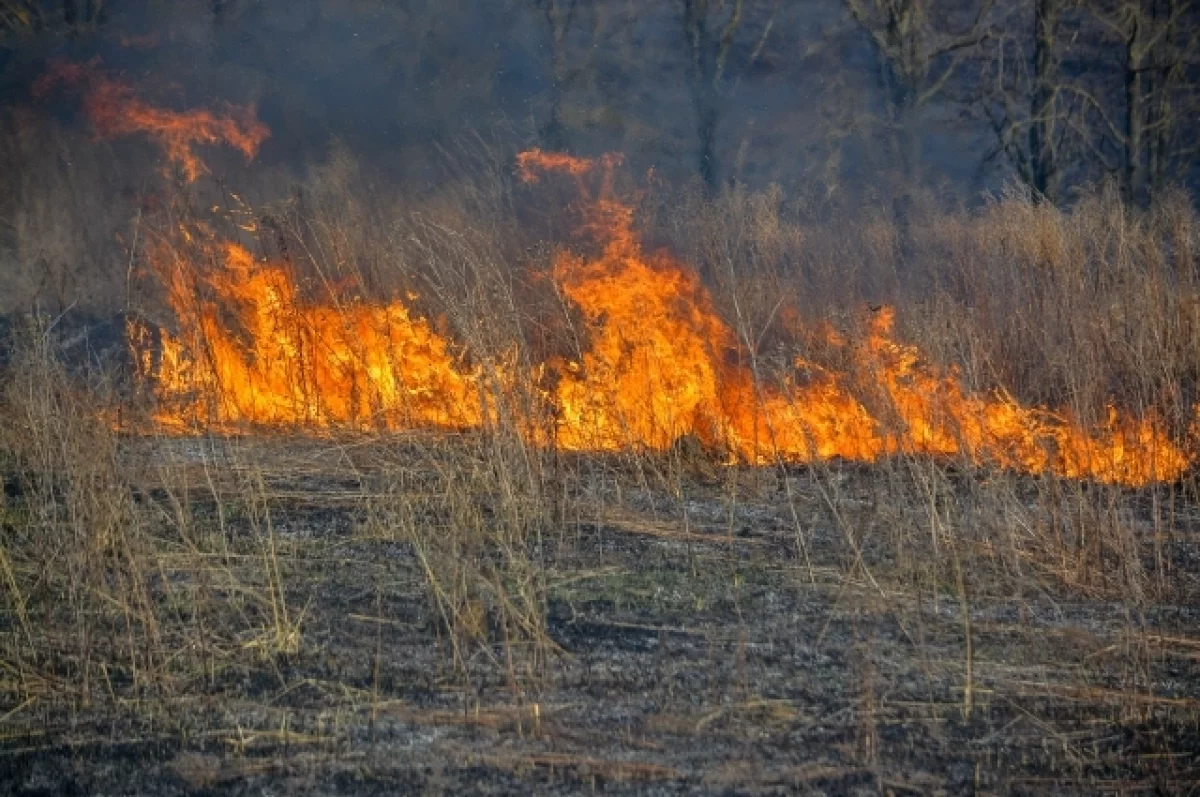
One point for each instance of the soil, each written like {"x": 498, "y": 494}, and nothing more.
{"x": 759, "y": 644}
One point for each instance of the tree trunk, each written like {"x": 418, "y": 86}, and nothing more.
{"x": 1139, "y": 91}
{"x": 553, "y": 132}
{"x": 703, "y": 72}
{"x": 1042, "y": 166}
{"x": 1161, "y": 118}
{"x": 707, "y": 118}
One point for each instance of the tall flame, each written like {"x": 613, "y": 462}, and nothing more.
{"x": 653, "y": 372}
{"x": 659, "y": 363}
{"x": 294, "y": 363}
{"x": 114, "y": 109}
{"x": 662, "y": 364}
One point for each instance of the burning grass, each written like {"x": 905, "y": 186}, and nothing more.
{"x": 655, "y": 362}
{"x": 590, "y": 519}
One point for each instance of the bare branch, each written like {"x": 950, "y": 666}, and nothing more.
{"x": 727, "y": 33}
{"x": 762, "y": 40}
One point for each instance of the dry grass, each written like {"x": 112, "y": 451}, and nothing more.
{"x": 139, "y": 573}
{"x": 1067, "y": 308}
{"x": 121, "y": 593}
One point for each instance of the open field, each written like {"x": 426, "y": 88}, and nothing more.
{"x": 443, "y": 508}
{"x": 352, "y": 617}
{"x": 542, "y": 396}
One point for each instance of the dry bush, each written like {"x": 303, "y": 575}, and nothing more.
{"x": 480, "y": 541}
{"x": 1074, "y": 308}
{"x": 78, "y": 570}
{"x": 477, "y": 523}
{"x": 115, "y": 590}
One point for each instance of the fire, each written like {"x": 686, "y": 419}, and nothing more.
{"x": 658, "y": 363}
{"x": 662, "y": 363}
{"x": 653, "y": 371}
{"x": 295, "y": 363}
{"x": 532, "y": 162}
{"x": 926, "y": 410}
{"x": 114, "y": 109}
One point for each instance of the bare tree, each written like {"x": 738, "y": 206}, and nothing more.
{"x": 559, "y": 16}
{"x": 1036, "y": 113}
{"x": 61, "y": 15}
{"x": 21, "y": 15}
{"x": 1103, "y": 118}
{"x": 918, "y": 51}
{"x": 76, "y": 12}
{"x": 1157, "y": 41}
{"x": 711, "y": 29}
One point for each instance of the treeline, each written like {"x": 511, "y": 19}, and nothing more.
{"x": 1071, "y": 91}
{"x": 839, "y": 98}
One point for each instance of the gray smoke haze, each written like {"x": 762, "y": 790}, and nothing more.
{"x": 804, "y": 94}
{"x": 396, "y": 81}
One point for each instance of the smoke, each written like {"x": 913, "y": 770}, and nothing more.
{"x": 413, "y": 90}
{"x": 396, "y": 82}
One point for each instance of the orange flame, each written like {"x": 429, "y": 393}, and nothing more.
{"x": 532, "y": 162}
{"x": 928, "y": 411}
{"x": 659, "y": 363}
{"x": 653, "y": 371}
{"x": 296, "y": 363}
{"x": 114, "y": 110}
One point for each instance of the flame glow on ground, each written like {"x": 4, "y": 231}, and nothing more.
{"x": 660, "y": 363}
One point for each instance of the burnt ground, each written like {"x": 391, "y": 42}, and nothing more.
{"x": 702, "y": 649}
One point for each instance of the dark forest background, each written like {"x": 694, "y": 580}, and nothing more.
{"x": 850, "y": 107}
